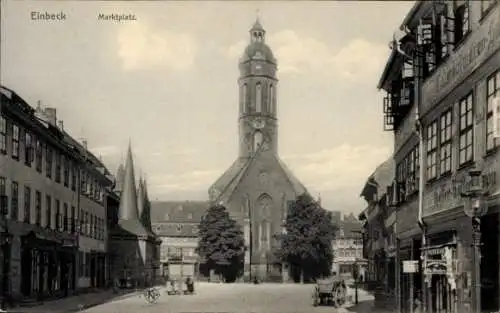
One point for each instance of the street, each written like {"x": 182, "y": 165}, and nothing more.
{"x": 268, "y": 298}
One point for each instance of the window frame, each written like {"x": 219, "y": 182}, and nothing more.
{"x": 432, "y": 150}
{"x": 57, "y": 175}
{"x": 3, "y": 135}
{"x": 14, "y": 201}
{"x": 465, "y": 130}
{"x": 490, "y": 95}
{"x": 463, "y": 8}
{"x": 58, "y": 225}
{"x": 48, "y": 211}
{"x": 49, "y": 158}
{"x": 38, "y": 208}
{"x": 28, "y": 148}
{"x": 38, "y": 155}
{"x": 445, "y": 142}
{"x": 27, "y": 205}
{"x": 16, "y": 138}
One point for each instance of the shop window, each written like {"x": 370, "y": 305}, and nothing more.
{"x": 432, "y": 151}
{"x": 466, "y": 140}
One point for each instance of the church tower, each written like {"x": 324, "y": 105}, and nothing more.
{"x": 258, "y": 188}
{"x": 257, "y": 83}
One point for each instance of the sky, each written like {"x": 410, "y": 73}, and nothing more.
{"x": 167, "y": 82}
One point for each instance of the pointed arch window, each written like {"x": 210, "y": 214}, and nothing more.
{"x": 263, "y": 233}
{"x": 257, "y": 140}
{"x": 258, "y": 98}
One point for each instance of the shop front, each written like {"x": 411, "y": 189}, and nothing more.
{"x": 408, "y": 244}
{"x": 47, "y": 265}
{"x": 440, "y": 269}
{"x": 461, "y": 273}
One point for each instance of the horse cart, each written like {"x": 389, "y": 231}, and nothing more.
{"x": 329, "y": 291}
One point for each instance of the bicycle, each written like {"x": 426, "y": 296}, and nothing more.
{"x": 151, "y": 295}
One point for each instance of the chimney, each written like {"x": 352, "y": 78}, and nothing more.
{"x": 39, "y": 105}
{"x": 60, "y": 124}
{"x": 50, "y": 115}
{"x": 84, "y": 143}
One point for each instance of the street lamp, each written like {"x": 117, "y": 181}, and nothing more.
{"x": 475, "y": 208}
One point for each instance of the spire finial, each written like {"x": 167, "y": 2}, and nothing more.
{"x": 257, "y": 14}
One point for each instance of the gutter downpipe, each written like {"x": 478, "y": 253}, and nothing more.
{"x": 418, "y": 100}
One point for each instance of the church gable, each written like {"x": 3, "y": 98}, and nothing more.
{"x": 264, "y": 176}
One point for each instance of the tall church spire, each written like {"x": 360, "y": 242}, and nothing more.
{"x": 258, "y": 85}
{"x": 128, "y": 200}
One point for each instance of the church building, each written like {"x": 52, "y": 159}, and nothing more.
{"x": 258, "y": 187}
{"x": 133, "y": 246}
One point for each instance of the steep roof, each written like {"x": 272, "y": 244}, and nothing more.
{"x": 380, "y": 179}
{"x": 128, "y": 214}
{"x": 145, "y": 216}
{"x": 178, "y": 211}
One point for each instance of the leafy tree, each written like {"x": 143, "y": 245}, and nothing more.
{"x": 307, "y": 243}
{"x": 221, "y": 243}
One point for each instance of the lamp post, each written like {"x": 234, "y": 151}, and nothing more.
{"x": 475, "y": 208}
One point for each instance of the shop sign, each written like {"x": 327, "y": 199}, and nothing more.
{"x": 436, "y": 267}
{"x": 410, "y": 266}
{"x": 482, "y": 43}
{"x": 446, "y": 195}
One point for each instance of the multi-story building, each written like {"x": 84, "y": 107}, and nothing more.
{"x": 348, "y": 248}
{"x": 52, "y": 198}
{"x": 176, "y": 223}
{"x": 454, "y": 49}
{"x": 379, "y": 229}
